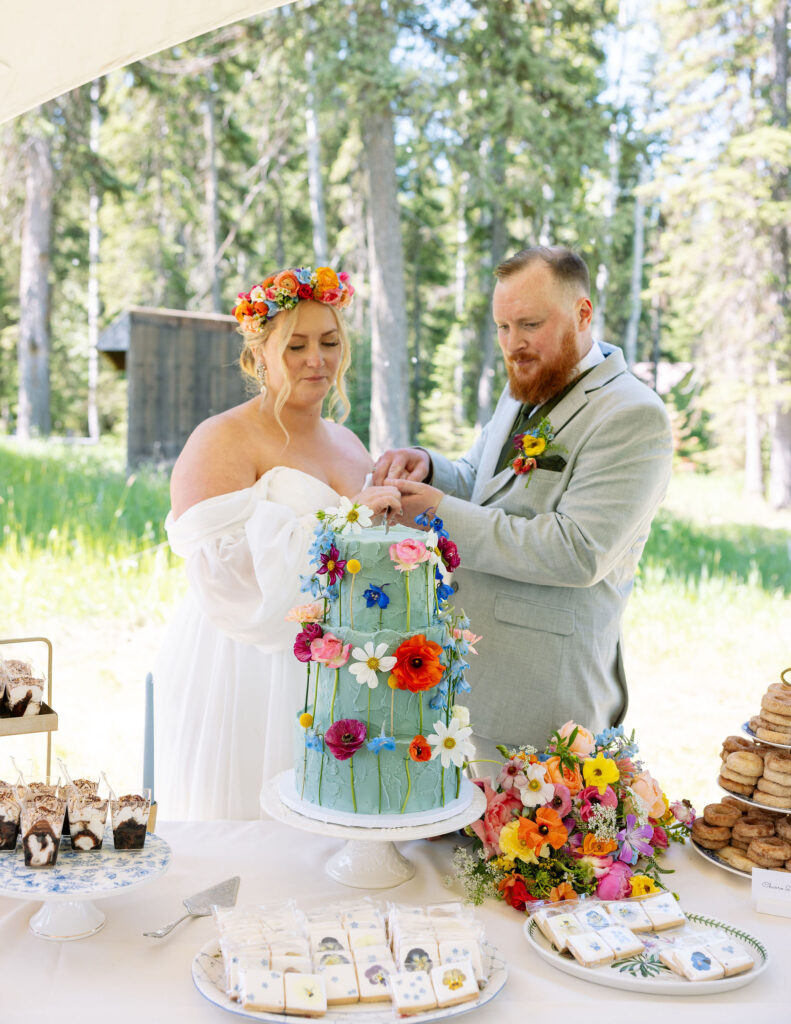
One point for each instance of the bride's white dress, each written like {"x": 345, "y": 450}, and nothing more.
{"x": 226, "y": 682}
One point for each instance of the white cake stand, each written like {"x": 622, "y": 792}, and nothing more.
{"x": 69, "y": 888}
{"x": 370, "y": 859}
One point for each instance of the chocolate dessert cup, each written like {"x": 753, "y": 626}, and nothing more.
{"x": 41, "y": 824}
{"x": 130, "y": 817}
{"x": 88, "y": 814}
{"x": 9, "y": 818}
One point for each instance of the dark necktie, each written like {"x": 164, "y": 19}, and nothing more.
{"x": 525, "y": 420}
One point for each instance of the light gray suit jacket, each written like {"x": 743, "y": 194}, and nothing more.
{"x": 546, "y": 570}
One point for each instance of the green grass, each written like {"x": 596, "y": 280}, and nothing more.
{"x": 85, "y": 561}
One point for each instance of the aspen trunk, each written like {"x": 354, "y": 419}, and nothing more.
{"x": 638, "y": 246}
{"x": 318, "y": 216}
{"x": 94, "y": 241}
{"x": 210, "y": 188}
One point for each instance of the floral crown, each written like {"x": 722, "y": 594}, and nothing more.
{"x": 285, "y": 289}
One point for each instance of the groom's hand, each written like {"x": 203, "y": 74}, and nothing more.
{"x": 401, "y": 464}
{"x": 416, "y": 498}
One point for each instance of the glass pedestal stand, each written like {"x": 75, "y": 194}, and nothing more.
{"x": 369, "y": 859}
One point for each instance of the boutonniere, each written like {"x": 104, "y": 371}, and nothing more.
{"x": 536, "y": 449}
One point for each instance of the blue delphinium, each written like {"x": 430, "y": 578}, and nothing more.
{"x": 312, "y": 741}
{"x": 381, "y": 742}
{"x": 376, "y": 596}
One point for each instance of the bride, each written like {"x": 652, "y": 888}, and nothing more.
{"x": 243, "y": 494}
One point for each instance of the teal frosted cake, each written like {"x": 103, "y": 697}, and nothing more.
{"x": 379, "y": 730}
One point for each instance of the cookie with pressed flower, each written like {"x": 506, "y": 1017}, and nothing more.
{"x": 412, "y": 992}
{"x": 372, "y": 981}
{"x": 590, "y": 949}
{"x": 305, "y": 995}
{"x": 734, "y": 958}
{"x": 454, "y": 983}
{"x": 557, "y": 927}
{"x": 622, "y": 941}
{"x": 453, "y": 950}
{"x": 340, "y": 984}
{"x": 630, "y": 914}
{"x": 663, "y": 911}
{"x": 595, "y": 917}
{"x": 419, "y": 955}
{"x": 697, "y": 964}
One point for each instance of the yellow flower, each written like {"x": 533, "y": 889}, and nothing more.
{"x": 642, "y": 885}
{"x": 353, "y": 566}
{"x": 533, "y": 445}
{"x": 504, "y": 863}
{"x": 513, "y": 846}
{"x": 392, "y": 682}
{"x": 306, "y": 720}
{"x": 600, "y": 771}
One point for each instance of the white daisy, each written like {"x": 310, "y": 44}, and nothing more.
{"x": 536, "y": 788}
{"x": 349, "y": 517}
{"x": 452, "y": 743}
{"x": 369, "y": 661}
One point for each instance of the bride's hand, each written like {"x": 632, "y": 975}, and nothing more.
{"x": 381, "y": 500}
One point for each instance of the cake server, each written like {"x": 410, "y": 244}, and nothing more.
{"x": 221, "y": 895}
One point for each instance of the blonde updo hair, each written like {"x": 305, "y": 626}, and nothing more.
{"x": 285, "y": 322}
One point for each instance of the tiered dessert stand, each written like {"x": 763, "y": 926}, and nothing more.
{"x": 369, "y": 859}
{"x": 46, "y": 721}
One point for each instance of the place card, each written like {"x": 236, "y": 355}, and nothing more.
{"x": 772, "y": 892}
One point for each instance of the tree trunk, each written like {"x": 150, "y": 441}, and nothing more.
{"x": 460, "y": 303}
{"x": 498, "y": 239}
{"x": 210, "y": 190}
{"x": 389, "y": 404}
{"x": 33, "y": 416}
{"x": 321, "y": 250}
{"x": 753, "y": 462}
{"x": 603, "y": 272}
{"x": 638, "y": 247}
{"x": 94, "y": 240}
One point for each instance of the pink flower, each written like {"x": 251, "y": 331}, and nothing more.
{"x": 561, "y": 802}
{"x": 471, "y": 639}
{"x": 331, "y": 296}
{"x": 650, "y": 792}
{"x": 500, "y": 808}
{"x": 683, "y": 811}
{"x": 614, "y": 885}
{"x": 303, "y": 641}
{"x": 589, "y": 798}
{"x": 583, "y": 742}
{"x": 306, "y": 612}
{"x": 659, "y": 838}
{"x": 407, "y": 554}
{"x": 345, "y": 737}
{"x": 330, "y": 650}
{"x": 512, "y": 773}
{"x": 600, "y": 865}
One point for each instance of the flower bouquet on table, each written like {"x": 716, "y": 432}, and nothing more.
{"x": 582, "y": 817}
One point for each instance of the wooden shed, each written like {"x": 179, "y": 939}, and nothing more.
{"x": 180, "y": 368}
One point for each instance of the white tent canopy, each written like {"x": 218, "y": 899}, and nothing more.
{"x": 48, "y": 47}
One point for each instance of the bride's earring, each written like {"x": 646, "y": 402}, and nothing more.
{"x": 260, "y": 372}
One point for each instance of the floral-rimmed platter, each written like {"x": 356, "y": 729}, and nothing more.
{"x": 207, "y": 973}
{"x": 712, "y": 858}
{"x": 646, "y": 972}
{"x": 749, "y": 732}
{"x": 754, "y": 803}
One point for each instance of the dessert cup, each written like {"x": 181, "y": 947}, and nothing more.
{"x": 86, "y": 787}
{"x": 41, "y": 822}
{"x": 129, "y": 815}
{"x": 87, "y": 814}
{"x": 9, "y": 818}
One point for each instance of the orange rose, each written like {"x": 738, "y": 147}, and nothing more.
{"x": 591, "y": 846}
{"x": 326, "y": 279}
{"x": 286, "y": 282}
{"x": 268, "y": 281}
{"x": 583, "y": 742}
{"x": 560, "y": 775}
{"x": 649, "y": 790}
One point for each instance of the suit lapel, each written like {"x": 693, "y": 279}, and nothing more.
{"x": 505, "y": 414}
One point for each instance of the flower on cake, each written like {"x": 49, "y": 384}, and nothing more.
{"x": 408, "y": 554}
{"x": 451, "y": 743}
{"x": 369, "y": 661}
{"x": 306, "y": 613}
{"x": 600, "y": 771}
{"x": 345, "y": 737}
{"x": 303, "y": 641}
{"x": 381, "y": 742}
{"x": 312, "y": 741}
{"x": 461, "y": 714}
{"x": 419, "y": 749}
{"x": 349, "y": 516}
{"x": 306, "y": 719}
{"x": 449, "y": 554}
{"x": 329, "y": 650}
{"x": 332, "y": 565}
{"x": 467, "y": 637}
{"x": 577, "y": 839}
{"x": 417, "y": 664}
{"x": 376, "y": 596}
{"x": 536, "y": 788}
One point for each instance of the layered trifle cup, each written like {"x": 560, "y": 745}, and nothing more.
{"x": 9, "y": 817}
{"x": 41, "y": 824}
{"x": 129, "y": 814}
{"x": 87, "y": 814}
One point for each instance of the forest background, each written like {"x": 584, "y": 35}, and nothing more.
{"x": 413, "y": 144}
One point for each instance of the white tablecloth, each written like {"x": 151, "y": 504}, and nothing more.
{"x": 119, "y": 976}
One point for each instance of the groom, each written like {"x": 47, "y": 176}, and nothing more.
{"x": 548, "y": 548}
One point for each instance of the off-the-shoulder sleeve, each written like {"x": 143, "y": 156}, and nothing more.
{"x": 244, "y": 555}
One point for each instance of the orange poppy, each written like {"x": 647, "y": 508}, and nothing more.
{"x": 559, "y": 775}
{"x": 597, "y": 847}
{"x": 562, "y": 892}
{"x": 417, "y": 664}
{"x": 547, "y": 828}
{"x": 419, "y": 749}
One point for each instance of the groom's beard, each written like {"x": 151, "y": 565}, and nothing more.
{"x": 535, "y": 382}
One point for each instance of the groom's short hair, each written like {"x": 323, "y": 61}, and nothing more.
{"x": 567, "y": 266}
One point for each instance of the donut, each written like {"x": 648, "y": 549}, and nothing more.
{"x": 777, "y": 703}
{"x": 710, "y": 833}
{"x": 745, "y": 762}
{"x": 740, "y": 844}
{"x": 732, "y": 801}
{"x": 731, "y": 743}
{"x": 778, "y": 777}
{"x": 755, "y": 722}
{"x": 783, "y": 828}
{"x": 768, "y": 786}
{"x": 779, "y": 762}
{"x": 751, "y": 827}
{"x": 772, "y": 735}
{"x": 782, "y": 802}
{"x": 736, "y": 787}
{"x": 744, "y": 780}
{"x": 767, "y": 724}
{"x": 772, "y": 847}
{"x": 736, "y": 858}
{"x": 770, "y": 716}
{"x": 721, "y": 815}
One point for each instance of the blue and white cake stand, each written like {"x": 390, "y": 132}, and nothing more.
{"x": 69, "y": 888}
